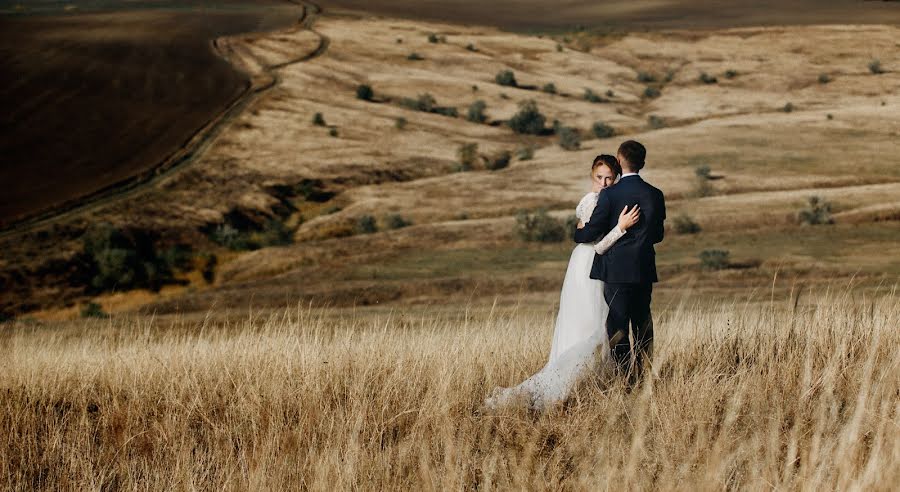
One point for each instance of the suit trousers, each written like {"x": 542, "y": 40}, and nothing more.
{"x": 629, "y": 307}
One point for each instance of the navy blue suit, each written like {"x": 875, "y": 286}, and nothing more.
{"x": 628, "y": 268}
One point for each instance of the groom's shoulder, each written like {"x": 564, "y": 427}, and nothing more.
{"x": 652, "y": 188}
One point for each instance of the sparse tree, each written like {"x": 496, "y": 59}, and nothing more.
{"x": 467, "y": 153}
{"x": 569, "y": 139}
{"x": 365, "y": 224}
{"x": 817, "y": 212}
{"x": 475, "y": 113}
{"x": 714, "y": 259}
{"x": 528, "y": 120}
{"x": 506, "y": 78}
{"x": 364, "y": 92}
{"x": 602, "y": 130}
{"x": 318, "y": 120}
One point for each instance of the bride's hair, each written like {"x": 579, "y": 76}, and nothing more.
{"x": 609, "y": 161}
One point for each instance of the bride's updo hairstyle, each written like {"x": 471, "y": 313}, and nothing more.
{"x": 609, "y": 161}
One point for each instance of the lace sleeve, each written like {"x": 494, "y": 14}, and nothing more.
{"x": 603, "y": 245}
{"x": 586, "y": 207}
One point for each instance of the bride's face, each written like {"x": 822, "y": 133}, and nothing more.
{"x": 602, "y": 177}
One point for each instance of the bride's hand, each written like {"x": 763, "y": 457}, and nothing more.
{"x": 628, "y": 219}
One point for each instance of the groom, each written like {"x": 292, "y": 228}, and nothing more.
{"x": 628, "y": 269}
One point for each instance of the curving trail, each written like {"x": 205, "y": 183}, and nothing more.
{"x": 195, "y": 146}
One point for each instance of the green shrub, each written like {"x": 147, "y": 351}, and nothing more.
{"x": 646, "y": 77}
{"x": 396, "y": 221}
{"x": 730, "y": 74}
{"x": 824, "y": 78}
{"x": 208, "y": 266}
{"x": 610, "y": 93}
{"x": 602, "y": 130}
{"x": 499, "y": 161}
{"x": 475, "y": 113}
{"x": 400, "y": 123}
{"x": 817, "y": 212}
{"x": 433, "y": 38}
{"x": 591, "y": 96}
{"x": 549, "y": 88}
{"x": 525, "y": 153}
{"x": 528, "y": 120}
{"x": 365, "y": 224}
{"x": 333, "y": 131}
{"x": 506, "y": 78}
{"x": 539, "y": 227}
{"x": 364, "y": 92}
{"x": 714, "y": 259}
{"x": 446, "y": 111}
{"x": 684, "y": 224}
{"x": 789, "y": 107}
{"x": 318, "y": 119}
{"x": 703, "y": 171}
{"x": 707, "y": 78}
{"x": 471, "y": 47}
{"x": 467, "y": 154}
{"x": 569, "y": 139}
{"x": 656, "y": 122}
{"x": 415, "y": 57}
{"x": 122, "y": 260}
{"x": 652, "y": 92}
{"x": 93, "y": 310}
{"x": 704, "y": 188}
{"x": 875, "y": 67}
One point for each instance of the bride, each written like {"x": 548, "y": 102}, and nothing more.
{"x": 580, "y": 342}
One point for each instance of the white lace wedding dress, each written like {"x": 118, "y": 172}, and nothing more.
{"x": 580, "y": 344}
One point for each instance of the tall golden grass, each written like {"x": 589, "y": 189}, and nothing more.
{"x": 742, "y": 396}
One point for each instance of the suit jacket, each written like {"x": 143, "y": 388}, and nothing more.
{"x": 632, "y": 259}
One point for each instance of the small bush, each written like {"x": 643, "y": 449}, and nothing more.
{"x": 415, "y": 57}
{"x": 425, "y": 102}
{"x": 646, "y": 77}
{"x": 824, "y": 78}
{"x": 506, "y": 78}
{"x": 446, "y": 111}
{"x": 525, "y": 153}
{"x": 670, "y": 75}
{"x": 499, "y": 161}
{"x": 528, "y": 120}
{"x": 829, "y": 116}
{"x": 569, "y": 139}
{"x": 593, "y": 97}
{"x": 208, "y": 263}
{"x": 539, "y": 227}
{"x": 602, "y": 130}
{"x": 817, "y": 212}
{"x": 703, "y": 171}
{"x": 610, "y": 93}
{"x": 433, "y": 38}
{"x": 467, "y": 154}
{"x": 475, "y": 113}
{"x": 318, "y": 120}
{"x": 684, "y": 224}
{"x": 559, "y": 48}
{"x": 364, "y": 92}
{"x": 471, "y": 47}
{"x": 396, "y": 221}
{"x": 730, "y": 74}
{"x": 875, "y": 67}
{"x": 707, "y": 78}
{"x": 656, "y": 122}
{"x": 93, "y": 310}
{"x": 704, "y": 188}
{"x": 714, "y": 259}
{"x": 365, "y": 224}
{"x": 549, "y": 88}
{"x": 652, "y": 92}
{"x": 400, "y": 123}
{"x": 333, "y": 131}
{"x": 789, "y": 107}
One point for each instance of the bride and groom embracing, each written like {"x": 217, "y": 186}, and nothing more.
{"x": 604, "y": 321}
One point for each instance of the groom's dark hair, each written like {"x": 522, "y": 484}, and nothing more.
{"x": 634, "y": 153}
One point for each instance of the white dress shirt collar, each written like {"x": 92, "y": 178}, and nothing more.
{"x": 625, "y": 175}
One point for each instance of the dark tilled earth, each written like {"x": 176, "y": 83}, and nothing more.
{"x": 92, "y": 99}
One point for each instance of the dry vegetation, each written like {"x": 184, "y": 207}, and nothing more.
{"x": 784, "y": 395}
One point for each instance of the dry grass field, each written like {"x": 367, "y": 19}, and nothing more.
{"x": 786, "y": 395}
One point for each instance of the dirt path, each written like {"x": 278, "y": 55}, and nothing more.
{"x": 197, "y": 145}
